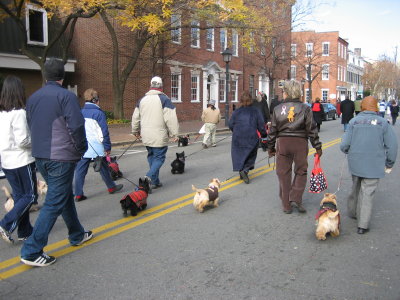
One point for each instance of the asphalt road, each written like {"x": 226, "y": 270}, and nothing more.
{"x": 247, "y": 248}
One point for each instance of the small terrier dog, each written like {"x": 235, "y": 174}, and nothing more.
{"x": 137, "y": 200}
{"x": 208, "y": 196}
{"x": 327, "y": 218}
{"x": 41, "y": 190}
{"x": 178, "y": 165}
{"x": 183, "y": 140}
{"x": 113, "y": 167}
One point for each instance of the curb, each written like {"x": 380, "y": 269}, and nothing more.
{"x": 124, "y": 143}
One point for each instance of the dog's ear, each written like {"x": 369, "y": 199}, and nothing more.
{"x": 140, "y": 181}
{"x": 183, "y": 153}
{"x": 177, "y": 155}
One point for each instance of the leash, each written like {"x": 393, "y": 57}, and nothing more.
{"x": 341, "y": 175}
{"x": 204, "y": 148}
{"x": 137, "y": 139}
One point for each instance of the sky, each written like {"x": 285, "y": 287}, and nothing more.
{"x": 372, "y": 25}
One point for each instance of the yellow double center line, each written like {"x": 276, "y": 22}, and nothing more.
{"x": 13, "y": 267}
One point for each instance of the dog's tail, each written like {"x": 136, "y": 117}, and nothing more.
{"x": 195, "y": 189}
{"x": 6, "y": 191}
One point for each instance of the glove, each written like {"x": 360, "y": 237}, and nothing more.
{"x": 318, "y": 152}
{"x": 271, "y": 152}
{"x": 388, "y": 170}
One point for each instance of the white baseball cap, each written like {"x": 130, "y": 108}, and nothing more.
{"x": 156, "y": 82}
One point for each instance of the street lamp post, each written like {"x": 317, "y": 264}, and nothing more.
{"x": 227, "y": 56}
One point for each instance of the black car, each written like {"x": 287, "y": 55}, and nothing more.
{"x": 330, "y": 111}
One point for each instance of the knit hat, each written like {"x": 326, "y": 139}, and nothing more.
{"x": 156, "y": 82}
{"x": 369, "y": 103}
{"x": 212, "y": 102}
{"x": 54, "y": 70}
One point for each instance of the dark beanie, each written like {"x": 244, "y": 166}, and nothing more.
{"x": 54, "y": 69}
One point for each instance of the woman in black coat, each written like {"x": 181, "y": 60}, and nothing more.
{"x": 244, "y": 123}
{"x": 318, "y": 112}
{"x": 347, "y": 108}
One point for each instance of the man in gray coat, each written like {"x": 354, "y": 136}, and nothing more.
{"x": 371, "y": 145}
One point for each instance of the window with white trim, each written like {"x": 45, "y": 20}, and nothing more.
{"x": 221, "y": 91}
{"x": 339, "y": 49}
{"x": 194, "y": 88}
{"x": 251, "y": 86}
{"x": 252, "y": 42}
{"x": 195, "y": 34}
{"x": 176, "y": 87}
{"x": 263, "y": 48}
{"x": 235, "y": 43}
{"x": 223, "y": 39}
{"x": 325, "y": 72}
{"x": 339, "y": 72}
{"x": 293, "y": 50}
{"x": 176, "y": 32}
{"x": 325, "y": 49}
{"x": 210, "y": 39}
{"x": 309, "y": 49}
{"x": 234, "y": 92}
{"x": 36, "y": 25}
{"x": 324, "y": 95}
{"x": 293, "y": 72}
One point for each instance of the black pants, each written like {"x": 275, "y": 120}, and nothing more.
{"x": 394, "y": 118}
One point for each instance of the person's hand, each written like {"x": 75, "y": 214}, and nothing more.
{"x": 107, "y": 153}
{"x": 318, "y": 152}
{"x": 271, "y": 152}
{"x": 137, "y": 135}
{"x": 174, "y": 139}
{"x": 388, "y": 170}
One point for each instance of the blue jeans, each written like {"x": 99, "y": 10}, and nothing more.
{"x": 59, "y": 201}
{"x": 156, "y": 158}
{"x": 80, "y": 173}
{"x": 345, "y": 126}
{"x": 24, "y": 192}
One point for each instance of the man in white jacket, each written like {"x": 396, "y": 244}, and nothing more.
{"x": 154, "y": 120}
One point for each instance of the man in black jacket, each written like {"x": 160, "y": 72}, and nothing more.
{"x": 347, "y": 109}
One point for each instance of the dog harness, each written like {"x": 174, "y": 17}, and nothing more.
{"x": 212, "y": 193}
{"x": 325, "y": 207}
{"x": 138, "y": 197}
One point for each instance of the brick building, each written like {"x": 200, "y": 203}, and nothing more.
{"x": 320, "y": 57}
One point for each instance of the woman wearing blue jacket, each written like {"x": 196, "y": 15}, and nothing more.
{"x": 99, "y": 145}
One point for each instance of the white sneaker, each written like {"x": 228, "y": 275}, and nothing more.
{"x": 87, "y": 236}
{"x": 2, "y": 175}
{"x": 42, "y": 261}
{"x": 6, "y": 235}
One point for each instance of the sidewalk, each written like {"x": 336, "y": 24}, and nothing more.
{"x": 120, "y": 134}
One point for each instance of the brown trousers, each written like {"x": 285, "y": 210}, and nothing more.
{"x": 291, "y": 150}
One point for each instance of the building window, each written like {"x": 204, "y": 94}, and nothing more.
{"x": 309, "y": 49}
{"x": 292, "y": 72}
{"x": 339, "y": 72}
{"x": 252, "y": 42}
{"x": 263, "y": 48}
{"x": 221, "y": 92}
{"x": 36, "y": 26}
{"x": 325, "y": 72}
{"x": 234, "y": 92}
{"x": 176, "y": 32}
{"x": 176, "y": 87}
{"x": 307, "y": 95}
{"x": 293, "y": 50}
{"x": 194, "y": 88}
{"x": 325, "y": 49}
{"x": 235, "y": 43}
{"x": 251, "y": 86}
{"x": 339, "y": 49}
{"x": 223, "y": 39}
{"x": 210, "y": 39}
{"x": 195, "y": 34}
{"x": 325, "y": 93}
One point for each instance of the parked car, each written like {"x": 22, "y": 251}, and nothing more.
{"x": 330, "y": 111}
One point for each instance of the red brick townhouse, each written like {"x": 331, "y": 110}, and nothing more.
{"x": 189, "y": 61}
{"x": 324, "y": 56}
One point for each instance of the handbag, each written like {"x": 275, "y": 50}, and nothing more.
{"x": 318, "y": 181}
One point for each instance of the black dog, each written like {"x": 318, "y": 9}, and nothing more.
{"x": 183, "y": 140}
{"x": 178, "y": 165}
{"x": 137, "y": 200}
{"x": 113, "y": 167}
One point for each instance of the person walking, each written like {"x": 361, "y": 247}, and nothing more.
{"x": 244, "y": 123}
{"x": 291, "y": 127}
{"x": 394, "y": 111}
{"x": 318, "y": 112}
{"x": 275, "y": 102}
{"x": 371, "y": 147}
{"x": 261, "y": 102}
{"x": 382, "y": 108}
{"x": 58, "y": 142}
{"x": 357, "y": 105}
{"x": 211, "y": 117}
{"x": 347, "y": 109}
{"x": 17, "y": 161}
{"x": 154, "y": 120}
{"x": 99, "y": 145}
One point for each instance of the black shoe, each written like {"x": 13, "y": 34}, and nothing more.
{"x": 116, "y": 188}
{"x": 156, "y": 186}
{"x": 362, "y": 230}
{"x": 244, "y": 175}
{"x": 287, "y": 211}
{"x": 299, "y": 207}
{"x": 42, "y": 261}
{"x": 80, "y": 198}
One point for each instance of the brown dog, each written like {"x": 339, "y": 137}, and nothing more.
{"x": 327, "y": 218}
{"x": 41, "y": 190}
{"x": 208, "y": 196}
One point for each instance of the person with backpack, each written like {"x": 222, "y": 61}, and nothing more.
{"x": 318, "y": 112}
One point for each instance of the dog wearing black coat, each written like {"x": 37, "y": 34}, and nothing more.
{"x": 178, "y": 165}
{"x": 137, "y": 200}
{"x": 183, "y": 141}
